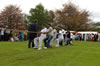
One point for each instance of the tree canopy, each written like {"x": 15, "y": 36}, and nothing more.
{"x": 70, "y": 17}
{"x": 12, "y": 17}
{"x": 40, "y": 14}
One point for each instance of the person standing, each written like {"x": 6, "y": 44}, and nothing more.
{"x": 80, "y": 37}
{"x": 92, "y": 37}
{"x": 22, "y": 36}
{"x": 69, "y": 38}
{"x": 33, "y": 28}
{"x": 96, "y": 37}
{"x": 2, "y": 34}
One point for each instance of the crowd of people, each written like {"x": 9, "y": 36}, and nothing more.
{"x": 9, "y": 35}
{"x": 47, "y": 35}
{"x": 87, "y": 37}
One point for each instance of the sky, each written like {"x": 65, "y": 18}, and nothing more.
{"x": 91, "y": 5}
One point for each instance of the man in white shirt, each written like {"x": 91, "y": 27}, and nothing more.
{"x": 40, "y": 38}
{"x": 71, "y": 36}
{"x": 54, "y": 36}
{"x": 49, "y": 36}
{"x": 60, "y": 38}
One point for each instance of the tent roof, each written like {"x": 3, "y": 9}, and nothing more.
{"x": 87, "y": 32}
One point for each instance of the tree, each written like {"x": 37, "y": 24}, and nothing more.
{"x": 12, "y": 17}
{"x": 70, "y": 17}
{"x": 97, "y": 27}
{"x": 26, "y": 21}
{"x": 40, "y": 14}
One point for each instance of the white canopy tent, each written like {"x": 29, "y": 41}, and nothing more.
{"x": 87, "y": 32}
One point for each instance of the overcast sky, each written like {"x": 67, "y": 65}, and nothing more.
{"x": 91, "y": 5}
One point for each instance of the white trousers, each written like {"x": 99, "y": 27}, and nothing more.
{"x": 40, "y": 39}
{"x": 54, "y": 37}
{"x": 58, "y": 40}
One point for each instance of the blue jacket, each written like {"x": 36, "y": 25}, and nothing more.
{"x": 33, "y": 28}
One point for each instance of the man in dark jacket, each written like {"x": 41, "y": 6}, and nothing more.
{"x": 33, "y": 28}
{"x": 68, "y": 38}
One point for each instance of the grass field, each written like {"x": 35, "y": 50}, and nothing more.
{"x": 79, "y": 54}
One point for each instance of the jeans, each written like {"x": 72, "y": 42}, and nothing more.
{"x": 69, "y": 41}
{"x": 48, "y": 40}
{"x": 66, "y": 41}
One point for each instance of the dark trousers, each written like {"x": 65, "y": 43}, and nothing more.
{"x": 47, "y": 41}
{"x": 68, "y": 42}
{"x": 2, "y": 38}
{"x": 61, "y": 43}
{"x": 31, "y": 37}
{"x": 30, "y": 42}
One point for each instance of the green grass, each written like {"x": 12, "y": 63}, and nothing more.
{"x": 79, "y": 54}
